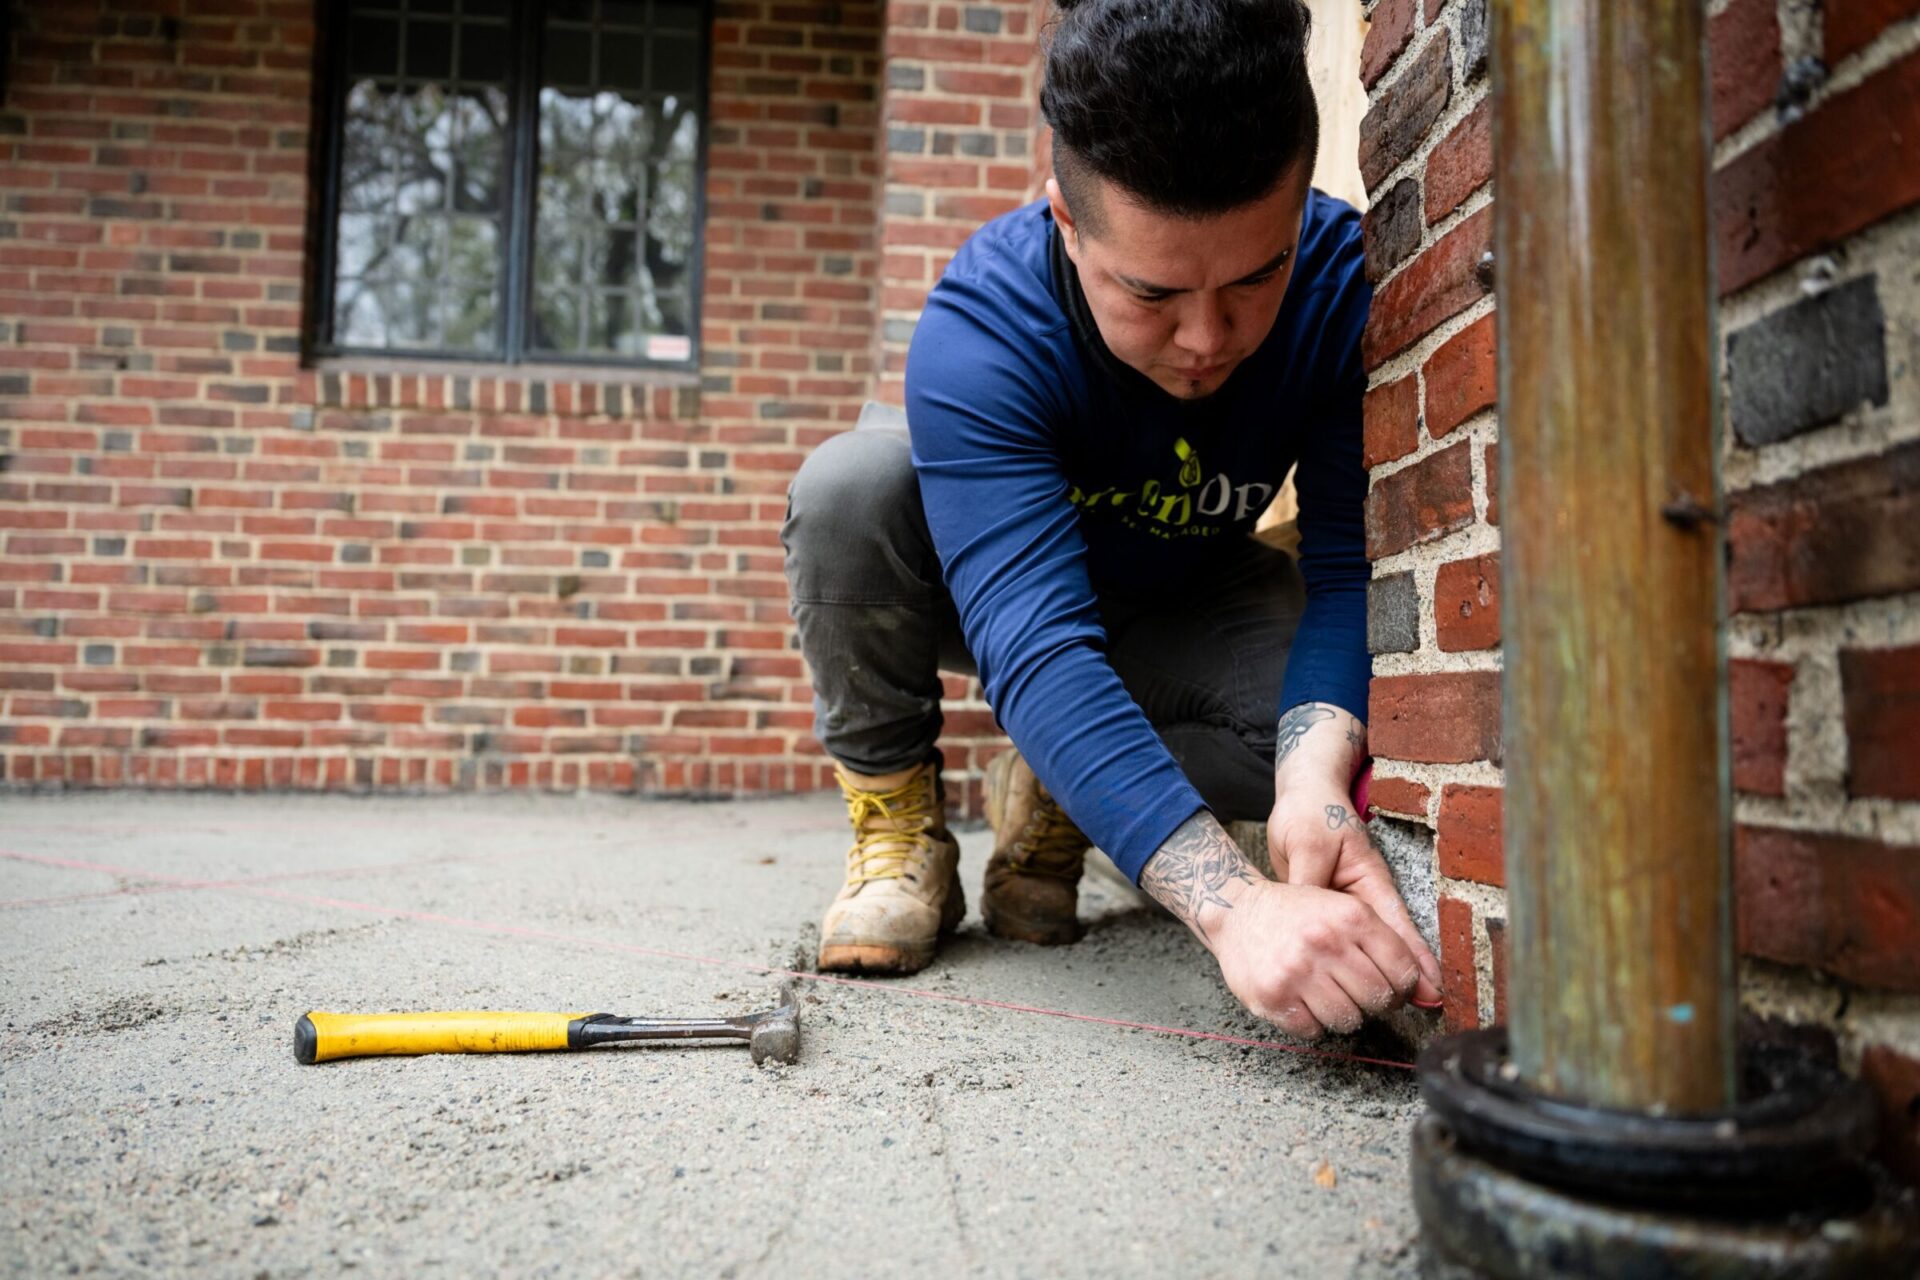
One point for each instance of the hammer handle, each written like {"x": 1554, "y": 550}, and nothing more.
{"x": 322, "y": 1037}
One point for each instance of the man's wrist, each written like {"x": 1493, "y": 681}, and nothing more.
{"x": 1197, "y": 875}
{"x": 1318, "y": 746}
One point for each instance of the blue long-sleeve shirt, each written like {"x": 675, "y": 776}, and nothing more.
{"x": 1052, "y": 474}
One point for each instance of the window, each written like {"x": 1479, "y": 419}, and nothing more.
{"x": 513, "y": 180}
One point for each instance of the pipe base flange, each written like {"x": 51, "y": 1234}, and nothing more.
{"x": 1796, "y": 1138}
{"x": 1481, "y": 1221}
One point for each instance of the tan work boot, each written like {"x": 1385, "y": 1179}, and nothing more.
{"x": 1033, "y": 878}
{"x": 903, "y": 875}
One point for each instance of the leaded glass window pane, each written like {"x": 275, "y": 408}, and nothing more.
{"x": 614, "y": 217}
{"x": 422, "y": 203}
{"x": 462, "y": 227}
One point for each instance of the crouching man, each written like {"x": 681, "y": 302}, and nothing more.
{"x": 1104, "y": 392}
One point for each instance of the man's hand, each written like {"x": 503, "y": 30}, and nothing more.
{"x": 1306, "y": 958}
{"x": 1315, "y": 838}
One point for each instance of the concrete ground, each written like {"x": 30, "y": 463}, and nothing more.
{"x": 155, "y": 951}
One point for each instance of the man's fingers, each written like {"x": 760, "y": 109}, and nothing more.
{"x": 1334, "y": 1006}
{"x": 1305, "y": 865}
{"x": 1389, "y": 952}
{"x": 1375, "y": 888}
{"x": 1297, "y": 1021}
{"x": 1368, "y": 966}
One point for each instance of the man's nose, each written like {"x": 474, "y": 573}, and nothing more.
{"x": 1204, "y": 328}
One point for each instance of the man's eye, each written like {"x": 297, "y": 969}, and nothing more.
{"x": 1254, "y": 282}
{"x": 1152, "y": 297}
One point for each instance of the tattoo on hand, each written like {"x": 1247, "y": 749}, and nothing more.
{"x": 1190, "y": 869}
{"x": 1338, "y": 817}
{"x": 1294, "y": 725}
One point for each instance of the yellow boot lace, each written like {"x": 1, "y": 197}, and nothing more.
{"x": 1050, "y": 844}
{"x": 899, "y": 818}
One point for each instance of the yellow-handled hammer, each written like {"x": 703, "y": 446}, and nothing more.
{"x": 323, "y": 1037}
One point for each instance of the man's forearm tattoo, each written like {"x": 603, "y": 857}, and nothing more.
{"x": 1190, "y": 869}
{"x": 1294, "y": 725}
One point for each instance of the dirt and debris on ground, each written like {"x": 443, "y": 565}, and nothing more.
{"x": 156, "y": 950}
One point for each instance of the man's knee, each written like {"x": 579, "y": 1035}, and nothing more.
{"x": 853, "y": 513}
{"x": 849, "y": 482}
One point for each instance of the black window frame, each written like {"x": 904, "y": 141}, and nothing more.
{"x": 525, "y": 29}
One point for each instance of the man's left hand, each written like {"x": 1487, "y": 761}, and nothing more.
{"x": 1314, "y": 837}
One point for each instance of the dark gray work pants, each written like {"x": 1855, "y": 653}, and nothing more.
{"x": 877, "y": 626}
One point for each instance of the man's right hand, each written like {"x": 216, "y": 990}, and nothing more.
{"x": 1308, "y": 959}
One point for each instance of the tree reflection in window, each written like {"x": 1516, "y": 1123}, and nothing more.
{"x": 615, "y": 205}
{"x": 425, "y": 234}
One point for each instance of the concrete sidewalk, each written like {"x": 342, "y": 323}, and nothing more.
{"x": 155, "y": 951}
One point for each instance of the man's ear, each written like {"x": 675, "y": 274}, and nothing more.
{"x": 1063, "y": 216}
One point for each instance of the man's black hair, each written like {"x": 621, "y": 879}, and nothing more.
{"x": 1193, "y": 107}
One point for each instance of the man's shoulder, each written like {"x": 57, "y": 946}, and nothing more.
{"x": 1002, "y": 273}
{"x": 992, "y": 326}
{"x": 1325, "y": 313}
{"x": 1332, "y": 253}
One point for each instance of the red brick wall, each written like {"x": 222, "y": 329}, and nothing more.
{"x": 222, "y": 568}
{"x": 1817, "y": 229}
{"x": 961, "y": 113}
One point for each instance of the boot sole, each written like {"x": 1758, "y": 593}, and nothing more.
{"x": 854, "y": 956}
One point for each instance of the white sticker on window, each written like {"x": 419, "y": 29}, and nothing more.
{"x": 668, "y": 346}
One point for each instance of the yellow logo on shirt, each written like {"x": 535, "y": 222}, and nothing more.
{"x": 1191, "y": 504}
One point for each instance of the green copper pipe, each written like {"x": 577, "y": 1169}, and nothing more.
{"x": 1622, "y": 990}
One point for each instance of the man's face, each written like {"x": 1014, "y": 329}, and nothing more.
{"x": 1185, "y": 300}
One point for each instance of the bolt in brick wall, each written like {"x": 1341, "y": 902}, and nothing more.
{"x": 225, "y": 568}
{"x": 1816, "y": 217}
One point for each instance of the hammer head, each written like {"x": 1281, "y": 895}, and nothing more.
{"x": 776, "y": 1033}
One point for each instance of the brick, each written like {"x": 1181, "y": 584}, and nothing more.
{"x": 1743, "y": 56}
{"x": 1392, "y": 421}
{"x": 1459, "y": 974}
{"x": 1442, "y": 282}
{"x": 1420, "y": 502}
{"x": 1467, "y": 837}
{"x": 1808, "y": 364}
{"x": 1820, "y": 179}
{"x": 1390, "y": 229}
{"x": 1450, "y": 717}
{"x": 1844, "y": 904}
{"x": 1758, "y": 692}
{"x": 1461, "y": 377}
{"x": 1460, "y": 163}
{"x": 1401, "y": 796}
{"x": 1399, "y": 115}
{"x": 1393, "y": 614}
{"x": 1851, "y": 25}
{"x": 1834, "y": 534}
{"x": 1894, "y": 1078}
{"x": 1880, "y": 690}
{"x": 1466, "y": 604}
{"x": 1391, "y": 27}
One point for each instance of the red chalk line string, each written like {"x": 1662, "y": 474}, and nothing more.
{"x": 253, "y": 886}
